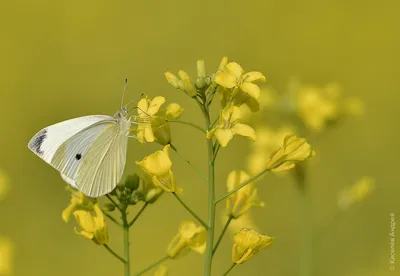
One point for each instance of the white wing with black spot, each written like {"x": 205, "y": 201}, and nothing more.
{"x": 46, "y": 142}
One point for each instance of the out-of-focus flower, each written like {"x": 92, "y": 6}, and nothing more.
{"x": 147, "y": 109}
{"x": 248, "y": 243}
{"x": 267, "y": 142}
{"x": 190, "y": 236}
{"x": 356, "y": 193}
{"x": 240, "y": 202}
{"x": 228, "y": 126}
{"x": 79, "y": 201}
{"x": 148, "y": 190}
{"x": 158, "y": 166}
{"x": 294, "y": 149}
{"x": 4, "y": 184}
{"x": 6, "y": 256}
{"x": 93, "y": 226}
{"x": 162, "y": 270}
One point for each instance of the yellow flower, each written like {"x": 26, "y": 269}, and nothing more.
{"x": 147, "y": 110}
{"x": 248, "y": 243}
{"x": 160, "y": 125}
{"x": 228, "y": 126}
{"x": 158, "y": 166}
{"x": 79, "y": 201}
{"x": 357, "y": 193}
{"x": 236, "y": 86}
{"x": 294, "y": 149}
{"x": 240, "y": 202}
{"x": 93, "y": 227}
{"x": 267, "y": 142}
{"x": 4, "y": 184}
{"x": 6, "y": 256}
{"x": 150, "y": 192}
{"x": 162, "y": 270}
{"x": 190, "y": 236}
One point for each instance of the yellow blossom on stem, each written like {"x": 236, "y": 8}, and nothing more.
{"x": 147, "y": 110}
{"x": 240, "y": 202}
{"x": 93, "y": 226}
{"x": 238, "y": 87}
{"x": 190, "y": 236}
{"x": 149, "y": 192}
{"x": 160, "y": 125}
{"x": 162, "y": 270}
{"x": 158, "y": 166}
{"x": 294, "y": 149}
{"x": 248, "y": 243}
{"x": 228, "y": 126}
{"x": 356, "y": 193}
{"x": 79, "y": 201}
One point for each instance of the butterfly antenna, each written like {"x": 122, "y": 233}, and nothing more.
{"x": 123, "y": 93}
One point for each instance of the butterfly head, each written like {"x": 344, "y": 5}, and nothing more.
{"x": 122, "y": 113}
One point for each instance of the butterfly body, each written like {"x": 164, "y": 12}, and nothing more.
{"x": 89, "y": 151}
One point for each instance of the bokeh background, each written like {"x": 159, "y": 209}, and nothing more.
{"x": 64, "y": 59}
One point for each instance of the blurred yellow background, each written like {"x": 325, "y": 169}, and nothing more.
{"x": 65, "y": 59}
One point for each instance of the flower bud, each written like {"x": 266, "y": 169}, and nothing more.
{"x": 172, "y": 79}
{"x": 132, "y": 182}
{"x": 187, "y": 83}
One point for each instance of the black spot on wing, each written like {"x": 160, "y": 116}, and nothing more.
{"x": 37, "y": 142}
{"x": 78, "y": 156}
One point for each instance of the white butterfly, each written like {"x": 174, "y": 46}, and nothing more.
{"x": 89, "y": 152}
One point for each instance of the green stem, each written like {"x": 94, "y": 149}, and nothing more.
{"x": 229, "y": 270}
{"x": 156, "y": 263}
{"x": 216, "y": 150}
{"x": 113, "y": 253}
{"x": 211, "y": 199}
{"x": 125, "y": 225}
{"x": 111, "y": 218}
{"x": 190, "y": 211}
{"x": 138, "y": 214}
{"x": 242, "y": 185}
{"x": 190, "y": 163}
{"x": 189, "y": 124}
{"x": 113, "y": 202}
{"x": 222, "y": 234}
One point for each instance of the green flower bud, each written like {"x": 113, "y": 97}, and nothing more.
{"x": 132, "y": 182}
{"x": 109, "y": 207}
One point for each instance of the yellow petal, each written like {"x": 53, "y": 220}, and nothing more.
{"x": 244, "y": 130}
{"x": 155, "y": 105}
{"x": 143, "y": 106}
{"x": 234, "y": 69}
{"x": 162, "y": 270}
{"x": 251, "y": 89}
{"x": 157, "y": 164}
{"x": 222, "y": 64}
{"x": 174, "y": 111}
{"x": 148, "y": 133}
{"x": 254, "y": 77}
{"x": 223, "y": 136}
{"x": 226, "y": 79}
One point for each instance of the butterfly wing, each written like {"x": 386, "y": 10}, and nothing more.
{"x": 46, "y": 142}
{"x": 104, "y": 163}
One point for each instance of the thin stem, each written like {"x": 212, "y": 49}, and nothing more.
{"x": 229, "y": 270}
{"x": 216, "y": 150}
{"x": 242, "y": 185}
{"x": 111, "y": 218}
{"x": 190, "y": 211}
{"x": 113, "y": 202}
{"x": 156, "y": 263}
{"x": 215, "y": 121}
{"x": 190, "y": 163}
{"x": 113, "y": 253}
{"x": 211, "y": 200}
{"x": 222, "y": 234}
{"x": 125, "y": 224}
{"x": 138, "y": 214}
{"x": 189, "y": 124}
